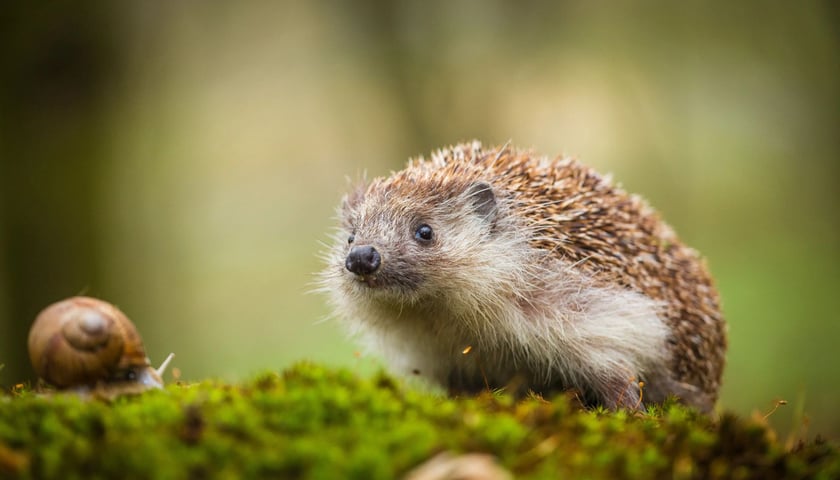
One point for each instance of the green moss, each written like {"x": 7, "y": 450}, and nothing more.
{"x": 315, "y": 422}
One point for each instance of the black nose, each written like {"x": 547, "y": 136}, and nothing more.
{"x": 362, "y": 260}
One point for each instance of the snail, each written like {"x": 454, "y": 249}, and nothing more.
{"x": 83, "y": 343}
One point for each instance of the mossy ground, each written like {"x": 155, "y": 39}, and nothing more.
{"x": 315, "y": 422}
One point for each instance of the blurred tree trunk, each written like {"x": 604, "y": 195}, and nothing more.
{"x": 56, "y": 65}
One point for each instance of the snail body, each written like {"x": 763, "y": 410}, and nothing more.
{"x": 83, "y": 342}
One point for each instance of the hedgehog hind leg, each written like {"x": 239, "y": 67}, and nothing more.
{"x": 666, "y": 386}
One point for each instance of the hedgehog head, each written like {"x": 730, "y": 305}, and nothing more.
{"x": 427, "y": 237}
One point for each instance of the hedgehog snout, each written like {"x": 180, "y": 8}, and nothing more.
{"x": 363, "y": 260}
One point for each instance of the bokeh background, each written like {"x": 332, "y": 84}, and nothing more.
{"x": 183, "y": 159}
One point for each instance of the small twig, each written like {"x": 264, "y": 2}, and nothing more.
{"x": 778, "y": 404}
{"x": 165, "y": 364}
{"x": 641, "y": 394}
{"x": 466, "y": 351}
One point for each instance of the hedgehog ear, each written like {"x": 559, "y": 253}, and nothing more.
{"x": 483, "y": 199}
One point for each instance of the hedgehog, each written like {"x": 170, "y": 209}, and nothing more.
{"x": 496, "y": 268}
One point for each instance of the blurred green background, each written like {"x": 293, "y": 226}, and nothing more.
{"x": 183, "y": 159}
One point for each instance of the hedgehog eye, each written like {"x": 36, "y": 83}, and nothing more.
{"x": 423, "y": 234}
{"x": 351, "y": 238}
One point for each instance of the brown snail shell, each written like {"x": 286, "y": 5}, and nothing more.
{"x": 82, "y": 341}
